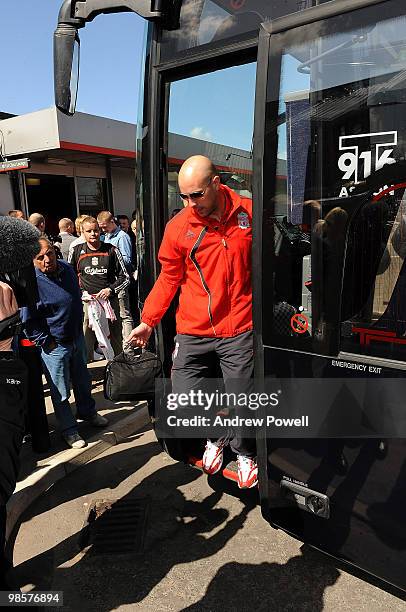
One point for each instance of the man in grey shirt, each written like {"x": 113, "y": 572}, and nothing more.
{"x": 66, "y": 229}
{"x": 115, "y": 236}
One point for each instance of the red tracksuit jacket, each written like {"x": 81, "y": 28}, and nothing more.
{"x": 211, "y": 263}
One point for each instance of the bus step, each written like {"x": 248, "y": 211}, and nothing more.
{"x": 229, "y": 471}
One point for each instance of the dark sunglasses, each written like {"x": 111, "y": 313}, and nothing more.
{"x": 196, "y": 195}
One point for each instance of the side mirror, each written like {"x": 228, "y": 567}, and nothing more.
{"x": 66, "y": 67}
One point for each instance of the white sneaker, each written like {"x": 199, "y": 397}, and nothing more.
{"x": 247, "y": 472}
{"x": 74, "y": 440}
{"x": 213, "y": 457}
{"x": 98, "y": 420}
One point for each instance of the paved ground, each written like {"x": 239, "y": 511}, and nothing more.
{"x": 40, "y": 471}
{"x": 31, "y": 461}
{"x": 204, "y": 550}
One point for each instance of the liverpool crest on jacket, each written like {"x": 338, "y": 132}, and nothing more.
{"x": 243, "y": 220}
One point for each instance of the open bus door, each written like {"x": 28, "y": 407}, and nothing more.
{"x": 331, "y": 100}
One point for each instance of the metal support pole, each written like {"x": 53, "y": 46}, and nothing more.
{"x": 109, "y": 185}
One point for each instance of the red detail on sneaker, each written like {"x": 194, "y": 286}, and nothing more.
{"x": 247, "y": 472}
{"x": 212, "y": 458}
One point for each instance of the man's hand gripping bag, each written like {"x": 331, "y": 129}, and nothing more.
{"x": 131, "y": 376}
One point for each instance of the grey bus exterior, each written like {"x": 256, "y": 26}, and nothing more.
{"x": 324, "y": 104}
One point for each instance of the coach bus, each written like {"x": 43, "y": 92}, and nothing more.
{"x": 315, "y": 93}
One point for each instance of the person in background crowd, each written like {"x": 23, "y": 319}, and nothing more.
{"x": 18, "y": 214}
{"x": 115, "y": 236}
{"x": 206, "y": 251}
{"x": 133, "y": 286}
{"x": 66, "y": 230}
{"x": 139, "y": 251}
{"x": 135, "y": 260}
{"x": 78, "y": 227}
{"x": 79, "y": 240}
{"x": 134, "y": 215}
{"x": 102, "y": 274}
{"x": 55, "y": 325}
{"x": 80, "y": 237}
{"x": 38, "y": 221}
{"x": 122, "y": 241}
{"x": 124, "y": 223}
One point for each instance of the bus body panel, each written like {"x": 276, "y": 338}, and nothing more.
{"x": 332, "y": 250}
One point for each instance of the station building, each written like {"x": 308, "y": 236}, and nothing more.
{"x": 86, "y": 163}
{"x": 82, "y": 164}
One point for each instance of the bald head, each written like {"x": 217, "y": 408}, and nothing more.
{"x": 38, "y": 221}
{"x": 66, "y": 225}
{"x": 17, "y": 214}
{"x": 197, "y": 166}
{"x": 199, "y": 187}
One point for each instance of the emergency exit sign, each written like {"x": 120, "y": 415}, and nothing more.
{"x": 15, "y": 164}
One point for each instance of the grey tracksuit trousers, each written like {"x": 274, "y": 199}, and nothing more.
{"x": 194, "y": 361}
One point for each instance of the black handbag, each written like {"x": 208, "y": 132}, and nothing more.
{"x": 131, "y": 376}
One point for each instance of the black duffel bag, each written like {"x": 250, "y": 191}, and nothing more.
{"x": 131, "y": 376}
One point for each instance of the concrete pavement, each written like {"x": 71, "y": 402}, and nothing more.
{"x": 38, "y": 472}
{"x": 202, "y": 550}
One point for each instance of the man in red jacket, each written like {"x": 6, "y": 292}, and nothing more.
{"x": 206, "y": 251}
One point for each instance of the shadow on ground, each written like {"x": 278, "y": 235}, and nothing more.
{"x": 179, "y": 533}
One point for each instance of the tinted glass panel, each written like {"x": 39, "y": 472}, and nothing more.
{"x": 204, "y": 120}
{"x": 208, "y": 22}
{"x": 334, "y": 224}
{"x": 144, "y": 239}
{"x": 91, "y": 195}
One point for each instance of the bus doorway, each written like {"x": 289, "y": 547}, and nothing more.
{"x": 51, "y": 196}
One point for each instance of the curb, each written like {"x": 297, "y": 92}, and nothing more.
{"x": 29, "y": 489}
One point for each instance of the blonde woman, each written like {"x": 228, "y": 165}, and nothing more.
{"x": 80, "y": 239}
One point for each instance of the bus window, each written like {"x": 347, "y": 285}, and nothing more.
{"x": 374, "y": 318}
{"x": 204, "y": 120}
{"x": 212, "y": 22}
{"x": 292, "y": 222}
{"x": 341, "y": 133}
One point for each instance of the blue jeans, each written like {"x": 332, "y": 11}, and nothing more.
{"x": 66, "y": 363}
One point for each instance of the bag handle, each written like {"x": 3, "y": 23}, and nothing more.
{"x": 128, "y": 349}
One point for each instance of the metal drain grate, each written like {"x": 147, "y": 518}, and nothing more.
{"x": 115, "y": 526}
